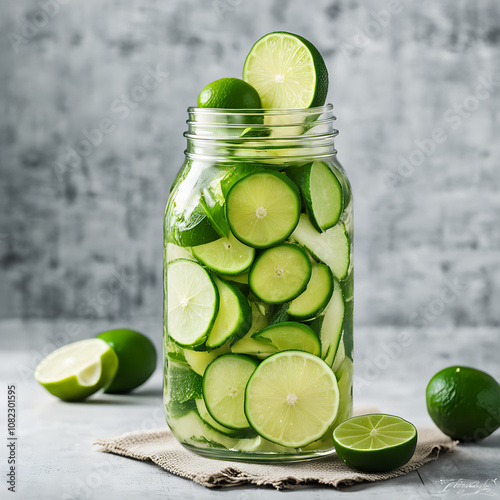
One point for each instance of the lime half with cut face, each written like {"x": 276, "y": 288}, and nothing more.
{"x": 78, "y": 370}
{"x": 375, "y": 442}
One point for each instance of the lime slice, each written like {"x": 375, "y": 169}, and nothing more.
{"x": 280, "y": 274}
{"x": 192, "y": 302}
{"x": 316, "y": 296}
{"x": 289, "y": 335}
{"x": 287, "y": 71}
{"x": 321, "y": 191}
{"x": 225, "y": 256}
{"x": 224, "y": 385}
{"x": 234, "y": 317}
{"x": 77, "y": 370}
{"x": 375, "y": 442}
{"x": 331, "y": 247}
{"x": 292, "y": 398}
{"x": 136, "y": 359}
{"x": 263, "y": 208}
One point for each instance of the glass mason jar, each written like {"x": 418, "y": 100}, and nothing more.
{"x": 258, "y": 286}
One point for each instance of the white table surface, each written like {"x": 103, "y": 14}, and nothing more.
{"x": 57, "y": 460}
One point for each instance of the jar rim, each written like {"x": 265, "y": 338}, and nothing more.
{"x": 261, "y": 111}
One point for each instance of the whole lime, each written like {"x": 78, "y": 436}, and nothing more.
{"x": 229, "y": 93}
{"x": 464, "y": 403}
{"x": 136, "y": 359}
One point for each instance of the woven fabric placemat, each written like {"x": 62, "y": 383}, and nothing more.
{"x": 161, "y": 447}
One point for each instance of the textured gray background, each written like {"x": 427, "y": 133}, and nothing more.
{"x": 81, "y": 240}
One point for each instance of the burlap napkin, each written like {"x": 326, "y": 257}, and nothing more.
{"x": 161, "y": 447}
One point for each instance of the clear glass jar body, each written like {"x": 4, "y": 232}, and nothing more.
{"x": 226, "y": 144}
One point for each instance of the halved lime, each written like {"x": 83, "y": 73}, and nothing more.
{"x": 263, "y": 208}
{"x": 77, "y": 370}
{"x": 331, "y": 247}
{"x": 280, "y": 274}
{"x": 321, "y": 191}
{"x": 225, "y": 256}
{"x": 287, "y": 71}
{"x": 375, "y": 442}
{"x": 234, "y": 317}
{"x": 292, "y": 398}
{"x": 311, "y": 302}
{"x": 224, "y": 385}
{"x": 192, "y": 302}
{"x": 289, "y": 335}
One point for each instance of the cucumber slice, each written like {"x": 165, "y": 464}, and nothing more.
{"x": 191, "y": 429}
{"x": 248, "y": 345}
{"x": 192, "y": 302}
{"x": 280, "y": 274}
{"x": 287, "y": 71}
{"x": 292, "y": 398}
{"x": 199, "y": 360}
{"x": 224, "y": 385}
{"x": 234, "y": 318}
{"x": 207, "y": 418}
{"x": 241, "y": 278}
{"x": 344, "y": 378}
{"x": 329, "y": 325}
{"x": 316, "y": 296}
{"x": 339, "y": 355}
{"x": 263, "y": 208}
{"x": 321, "y": 191}
{"x": 331, "y": 247}
{"x": 290, "y": 335}
{"x": 225, "y": 256}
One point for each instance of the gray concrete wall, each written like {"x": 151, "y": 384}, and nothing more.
{"x": 418, "y": 114}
